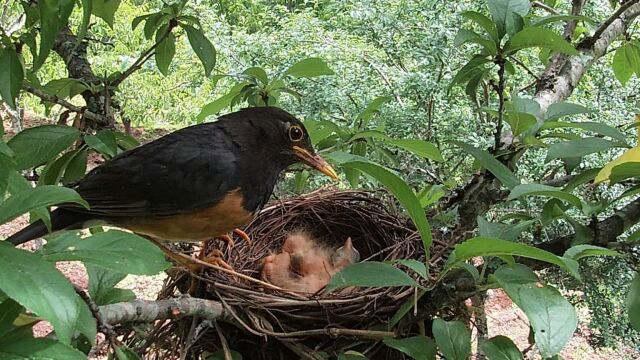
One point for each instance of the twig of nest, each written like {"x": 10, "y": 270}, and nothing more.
{"x": 314, "y": 320}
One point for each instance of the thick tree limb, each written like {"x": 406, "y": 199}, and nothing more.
{"x": 149, "y": 311}
{"x": 477, "y": 197}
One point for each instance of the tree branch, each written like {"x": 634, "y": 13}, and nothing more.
{"x": 384, "y": 78}
{"x": 603, "y": 27}
{"x": 149, "y": 311}
{"x": 97, "y": 118}
{"x": 545, "y": 7}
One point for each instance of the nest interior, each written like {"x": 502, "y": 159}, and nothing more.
{"x": 378, "y": 232}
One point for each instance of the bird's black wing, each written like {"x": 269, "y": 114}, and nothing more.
{"x": 187, "y": 170}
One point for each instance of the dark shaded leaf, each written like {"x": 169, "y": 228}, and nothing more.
{"x": 40, "y": 287}
{"x": 501, "y": 348}
{"x": 417, "y": 347}
{"x": 498, "y": 169}
{"x": 453, "y": 339}
{"x": 633, "y": 302}
{"x": 579, "y": 147}
{"x": 40, "y": 144}
{"x": 45, "y": 195}
{"x": 544, "y": 190}
{"x": 165, "y": 51}
{"x": 105, "y": 9}
{"x": 11, "y": 76}
{"x": 540, "y": 38}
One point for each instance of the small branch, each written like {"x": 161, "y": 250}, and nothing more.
{"x": 522, "y": 65}
{"x": 100, "y": 119}
{"x": 384, "y": 78}
{"x": 601, "y": 29}
{"x": 545, "y": 7}
{"x": 103, "y": 326}
{"x": 149, "y": 311}
{"x": 500, "y": 90}
{"x": 144, "y": 56}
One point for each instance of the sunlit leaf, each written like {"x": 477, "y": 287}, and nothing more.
{"x": 165, "y": 50}
{"x": 45, "y": 195}
{"x": 633, "y": 302}
{"x": 202, "y": 47}
{"x": 417, "y": 347}
{"x": 105, "y": 9}
{"x": 309, "y": 67}
{"x": 116, "y": 250}
{"x": 579, "y": 147}
{"x": 544, "y": 190}
{"x": 359, "y": 274}
{"x": 539, "y": 37}
{"x": 551, "y": 316}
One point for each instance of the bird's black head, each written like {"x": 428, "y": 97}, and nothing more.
{"x": 280, "y": 137}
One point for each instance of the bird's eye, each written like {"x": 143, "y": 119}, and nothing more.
{"x": 296, "y": 133}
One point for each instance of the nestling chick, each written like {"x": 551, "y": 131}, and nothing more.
{"x": 306, "y": 266}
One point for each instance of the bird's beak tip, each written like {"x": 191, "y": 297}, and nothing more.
{"x": 316, "y": 161}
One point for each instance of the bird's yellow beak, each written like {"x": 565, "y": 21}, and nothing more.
{"x": 315, "y": 161}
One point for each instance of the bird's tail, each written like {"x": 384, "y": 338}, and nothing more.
{"x": 60, "y": 219}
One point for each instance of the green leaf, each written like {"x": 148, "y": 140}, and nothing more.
{"x": 19, "y": 346}
{"x": 540, "y": 38}
{"x": 372, "y": 108}
{"x": 579, "y": 147}
{"x": 484, "y": 22}
{"x": 403, "y": 193}
{"x": 104, "y": 142}
{"x": 519, "y": 121}
{"x": 467, "y": 36}
{"x": 501, "y": 348}
{"x": 224, "y": 101}
{"x": 40, "y": 287}
{"x": 45, "y": 195}
{"x": 105, "y": 9}
{"x": 417, "y": 347}
{"x": 471, "y": 69}
{"x": 580, "y": 251}
{"x": 626, "y": 61}
{"x": 558, "y": 110}
{"x": 87, "y": 5}
{"x": 7, "y": 166}
{"x": 124, "y": 353}
{"x": 202, "y": 47}
{"x": 19, "y": 186}
{"x": 633, "y": 302}
{"x": 507, "y": 15}
{"x": 259, "y": 74}
{"x": 453, "y": 339}
{"x": 65, "y": 88}
{"x": 624, "y": 171}
{"x": 498, "y": 169}
{"x": 421, "y": 148}
{"x": 138, "y": 19}
{"x": 54, "y": 15}
{"x": 580, "y": 179}
{"x": 551, "y": 316}
{"x": 40, "y": 144}
{"x": 126, "y": 141}
{"x": 544, "y": 190}
{"x": 595, "y": 127}
{"x": 419, "y": 267}
{"x": 9, "y": 311}
{"x": 502, "y": 231}
{"x": 484, "y": 246}
{"x": 76, "y": 168}
{"x": 359, "y": 274}
{"x": 542, "y": 21}
{"x": 116, "y": 250}
{"x": 102, "y": 284}
{"x": 309, "y": 67}
{"x": 52, "y": 173}
{"x": 165, "y": 50}
{"x": 11, "y": 76}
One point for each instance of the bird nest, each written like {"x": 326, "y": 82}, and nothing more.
{"x": 271, "y": 323}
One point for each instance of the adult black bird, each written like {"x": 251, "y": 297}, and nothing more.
{"x": 196, "y": 183}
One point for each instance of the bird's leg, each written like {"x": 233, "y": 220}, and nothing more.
{"x": 180, "y": 259}
{"x": 243, "y": 235}
{"x": 229, "y": 240}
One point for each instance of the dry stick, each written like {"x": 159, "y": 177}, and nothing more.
{"x": 56, "y": 100}
{"x": 103, "y": 325}
{"x": 144, "y": 56}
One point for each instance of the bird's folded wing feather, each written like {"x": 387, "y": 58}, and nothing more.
{"x": 182, "y": 172}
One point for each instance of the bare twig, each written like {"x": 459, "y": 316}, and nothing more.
{"x": 500, "y": 90}
{"x": 522, "y": 65}
{"x": 103, "y": 326}
{"x": 144, "y": 56}
{"x": 385, "y": 79}
{"x": 101, "y": 119}
{"x": 615, "y": 16}
{"x": 545, "y": 7}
